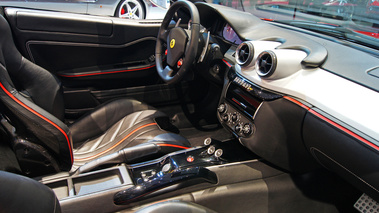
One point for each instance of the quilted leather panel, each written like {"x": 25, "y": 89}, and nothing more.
{"x": 104, "y": 117}
{"x": 136, "y": 128}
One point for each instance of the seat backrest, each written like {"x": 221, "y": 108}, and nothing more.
{"x": 32, "y": 100}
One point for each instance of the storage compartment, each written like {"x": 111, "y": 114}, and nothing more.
{"x": 97, "y": 182}
{"x": 60, "y": 188}
{"x": 66, "y": 186}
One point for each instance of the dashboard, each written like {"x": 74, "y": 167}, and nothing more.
{"x": 294, "y": 98}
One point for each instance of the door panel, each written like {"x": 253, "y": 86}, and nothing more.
{"x": 88, "y": 62}
{"x": 96, "y": 58}
{"x": 106, "y": 40}
{"x": 54, "y": 22}
{"x": 74, "y": 6}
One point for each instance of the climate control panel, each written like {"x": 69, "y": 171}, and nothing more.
{"x": 236, "y": 121}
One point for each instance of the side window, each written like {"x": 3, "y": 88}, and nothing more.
{"x": 141, "y": 9}
{"x": 128, "y": 9}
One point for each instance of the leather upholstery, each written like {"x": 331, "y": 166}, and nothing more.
{"x": 33, "y": 102}
{"x": 33, "y": 81}
{"x": 35, "y": 123}
{"x": 105, "y": 116}
{"x": 133, "y": 129}
{"x": 22, "y": 194}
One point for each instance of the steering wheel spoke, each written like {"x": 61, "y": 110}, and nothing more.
{"x": 168, "y": 71}
{"x": 163, "y": 35}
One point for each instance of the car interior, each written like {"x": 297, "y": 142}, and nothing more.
{"x": 209, "y": 110}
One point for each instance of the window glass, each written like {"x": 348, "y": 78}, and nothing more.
{"x": 353, "y": 20}
{"x": 129, "y": 9}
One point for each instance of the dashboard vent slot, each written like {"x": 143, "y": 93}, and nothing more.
{"x": 266, "y": 63}
{"x": 244, "y": 53}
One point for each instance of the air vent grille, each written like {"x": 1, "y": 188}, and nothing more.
{"x": 244, "y": 53}
{"x": 150, "y": 22}
{"x": 266, "y": 63}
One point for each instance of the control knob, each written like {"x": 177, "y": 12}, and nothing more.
{"x": 225, "y": 117}
{"x": 238, "y": 128}
{"x": 247, "y": 129}
{"x": 222, "y": 108}
{"x": 234, "y": 117}
{"x": 166, "y": 168}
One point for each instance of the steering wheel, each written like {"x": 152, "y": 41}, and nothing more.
{"x": 181, "y": 44}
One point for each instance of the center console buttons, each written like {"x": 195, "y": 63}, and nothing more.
{"x": 218, "y": 153}
{"x": 222, "y": 108}
{"x": 211, "y": 150}
{"x": 190, "y": 159}
{"x": 239, "y": 122}
{"x": 207, "y": 141}
{"x": 247, "y": 129}
{"x": 234, "y": 117}
{"x": 166, "y": 168}
{"x": 225, "y": 117}
{"x": 238, "y": 128}
{"x": 149, "y": 174}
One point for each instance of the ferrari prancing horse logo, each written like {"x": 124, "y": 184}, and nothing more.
{"x": 172, "y": 43}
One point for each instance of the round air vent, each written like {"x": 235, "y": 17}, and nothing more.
{"x": 266, "y": 63}
{"x": 244, "y": 53}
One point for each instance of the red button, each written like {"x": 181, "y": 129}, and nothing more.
{"x": 180, "y": 63}
{"x": 190, "y": 159}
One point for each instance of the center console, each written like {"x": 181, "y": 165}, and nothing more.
{"x": 241, "y": 99}
{"x": 123, "y": 186}
{"x": 181, "y": 168}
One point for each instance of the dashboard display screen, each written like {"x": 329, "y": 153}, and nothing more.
{"x": 230, "y": 35}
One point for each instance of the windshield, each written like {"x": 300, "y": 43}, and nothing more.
{"x": 353, "y": 20}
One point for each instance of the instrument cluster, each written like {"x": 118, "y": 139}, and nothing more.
{"x": 230, "y": 35}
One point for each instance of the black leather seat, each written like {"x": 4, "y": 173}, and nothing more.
{"x": 22, "y": 194}
{"x": 32, "y": 102}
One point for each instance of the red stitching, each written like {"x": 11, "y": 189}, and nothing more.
{"x": 41, "y": 116}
